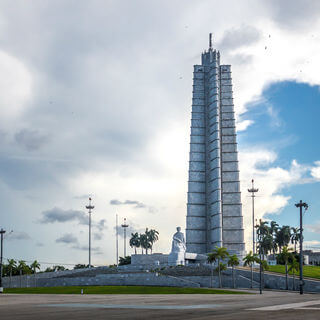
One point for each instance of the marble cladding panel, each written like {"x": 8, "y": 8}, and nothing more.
{"x": 198, "y": 89}
{"x": 214, "y": 153}
{"x": 227, "y": 156}
{"x": 196, "y": 123}
{"x": 196, "y": 198}
{"x": 213, "y": 91}
{"x": 196, "y": 210}
{"x": 198, "y": 75}
{"x": 231, "y": 186}
{"x": 229, "y": 139}
{"x": 213, "y": 98}
{"x": 216, "y": 221}
{"x": 214, "y": 185}
{"x": 235, "y": 247}
{"x": 215, "y": 208}
{"x": 197, "y": 176}
{"x": 196, "y": 236}
{"x": 197, "y": 156}
{"x": 227, "y": 102}
{"x": 230, "y": 176}
{"x": 231, "y": 198}
{"x": 232, "y": 236}
{"x": 214, "y": 196}
{"x": 229, "y": 147}
{"x": 224, "y": 82}
{"x": 196, "y": 248}
{"x": 196, "y": 187}
{"x": 214, "y": 172}
{"x": 230, "y": 166}
{"x": 228, "y": 131}
{"x": 227, "y": 109}
{"x": 197, "y": 115}
{"x": 232, "y": 222}
{"x": 198, "y": 95}
{"x": 226, "y": 95}
{"x": 214, "y": 105}
{"x": 198, "y": 131}
{"x": 196, "y": 108}
{"x": 214, "y": 136}
{"x": 197, "y": 139}
{"x": 227, "y": 123}
{"x": 225, "y": 88}
{"x": 197, "y": 147}
{"x": 198, "y": 102}
{"x": 225, "y": 76}
{"x": 213, "y": 121}
{"x": 225, "y": 68}
{"x": 227, "y": 115}
{"x": 197, "y": 166}
{"x": 215, "y": 235}
{"x": 232, "y": 210}
{"x": 196, "y": 222}
{"x": 198, "y": 82}
{"x": 215, "y": 163}
{"x": 213, "y": 129}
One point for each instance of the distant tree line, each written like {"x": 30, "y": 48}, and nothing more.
{"x": 145, "y": 240}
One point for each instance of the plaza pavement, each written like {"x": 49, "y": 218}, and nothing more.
{"x": 269, "y": 305}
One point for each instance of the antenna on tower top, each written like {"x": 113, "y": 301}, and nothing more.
{"x": 210, "y": 41}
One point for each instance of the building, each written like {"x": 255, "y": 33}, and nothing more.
{"x": 214, "y": 210}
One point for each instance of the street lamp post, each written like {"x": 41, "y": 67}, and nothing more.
{"x": 124, "y": 226}
{"x": 253, "y": 191}
{"x": 90, "y": 207}
{"x": 2, "y": 232}
{"x": 301, "y": 205}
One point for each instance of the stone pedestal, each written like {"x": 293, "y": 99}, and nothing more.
{"x": 176, "y": 258}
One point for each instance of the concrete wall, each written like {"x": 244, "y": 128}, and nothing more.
{"x": 149, "y": 259}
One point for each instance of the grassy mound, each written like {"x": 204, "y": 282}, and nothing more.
{"x": 120, "y": 290}
{"x": 308, "y": 271}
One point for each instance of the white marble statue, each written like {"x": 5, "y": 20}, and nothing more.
{"x": 178, "y": 249}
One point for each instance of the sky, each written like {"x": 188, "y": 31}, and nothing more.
{"x": 96, "y": 100}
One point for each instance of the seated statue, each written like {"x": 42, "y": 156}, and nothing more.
{"x": 177, "y": 254}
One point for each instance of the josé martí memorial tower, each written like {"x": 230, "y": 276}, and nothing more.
{"x": 214, "y": 210}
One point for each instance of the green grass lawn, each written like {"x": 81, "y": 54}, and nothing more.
{"x": 308, "y": 271}
{"x": 120, "y": 290}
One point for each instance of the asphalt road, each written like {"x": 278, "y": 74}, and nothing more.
{"x": 270, "y": 305}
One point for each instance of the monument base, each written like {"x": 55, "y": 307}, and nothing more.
{"x": 176, "y": 258}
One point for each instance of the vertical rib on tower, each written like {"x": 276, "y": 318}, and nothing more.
{"x": 214, "y": 215}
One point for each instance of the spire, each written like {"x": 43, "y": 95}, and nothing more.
{"x": 210, "y": 41}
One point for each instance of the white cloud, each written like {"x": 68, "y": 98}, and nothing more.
{"x": 315, "y": 171}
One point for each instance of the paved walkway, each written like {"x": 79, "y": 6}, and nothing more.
{"x": 270, "y": 305}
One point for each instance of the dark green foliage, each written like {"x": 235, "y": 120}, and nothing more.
{"x": 124, "y": 261}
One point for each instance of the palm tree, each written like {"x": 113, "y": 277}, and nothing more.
{"x": 249, "y": 260}
{"x": 211, "y": 259}
{"x": 232, "y": 262}
{"x": 134, "y": 241}
{"x": 286, "y": 254}
{"x": 219, "y": 253}
{"x": 152, "y": 236}
{"x": 11, "y": 265}
{"x": 144, "y": 243}
{"x": 283, "y": 237}
{"x": 273, "y": 231}
{"x": 22, "y": 267}
{"x": 34, "y": 266}
{"x": 295, "y": 237}
{"x": 293, "y": 267}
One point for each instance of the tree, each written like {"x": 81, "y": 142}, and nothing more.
{"x": 295, "y": 237}
{"x": 286, "y": 254}
{"x": 34, "y": 266}
{"x": 293, "y": 267}
{"x": 79, "y": 266}
{"x": 124, "y": 261}
{"x": 144, "y": 243}
{"x": 152, "y": 237}
{"x": 135, "y": 241}
{"x": 233, "y": 262}
{"x": 249, "y": 260}
{"x": 218, "y": 254}
{"x": 12, "y": 264}
{"x": 283, "y": 237}
{"x": 273, "y": 231}
{"x": 21, "y": 267}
